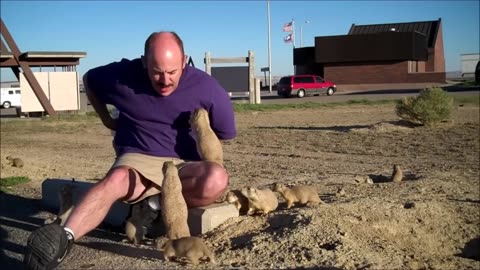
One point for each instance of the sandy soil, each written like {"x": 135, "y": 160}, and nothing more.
{"x": 429, "y": 221}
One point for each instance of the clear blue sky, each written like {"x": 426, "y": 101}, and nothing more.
{"x": 110, "y": 30}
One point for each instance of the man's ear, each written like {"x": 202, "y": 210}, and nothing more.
{"x": 144, "y": 61}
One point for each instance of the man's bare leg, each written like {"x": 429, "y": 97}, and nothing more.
{"x": 120, "y": 183}
{"x": 48, "y": 245}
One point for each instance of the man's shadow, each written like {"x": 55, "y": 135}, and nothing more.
{"x": 18, "y": 217}
{"x": 16, "y": 213}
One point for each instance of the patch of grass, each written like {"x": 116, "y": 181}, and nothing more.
{"x": 61, "y": 123}
{"x": 468, "y": 82}
{"x": 306, "y": 105}
{"x": 92, "y": 113}
{"x": 474, "y": 99}
{"x": 8, "y": 182}
{"x": 71, "y": 117}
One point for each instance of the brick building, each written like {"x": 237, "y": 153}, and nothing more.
{"x": 409, "y": 52}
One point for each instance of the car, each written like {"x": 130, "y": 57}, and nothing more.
{"x": 304, "y": 85}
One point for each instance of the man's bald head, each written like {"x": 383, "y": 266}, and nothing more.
{"x": 164, "y": 35}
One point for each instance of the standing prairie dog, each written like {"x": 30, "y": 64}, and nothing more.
{"x": 397, "y": 174}
{"x": 134, "y": 226}
{"x": 208, "y": 144}
{"x": 260, "y": 200}
{"x": 236, "y": 198}
{"x": 302, "y": 194}
{"x": 15, "y": 162}
{"x": 192, "y": 248}
{"x": 174, "y": 208}
{"x": 65, "y": 197}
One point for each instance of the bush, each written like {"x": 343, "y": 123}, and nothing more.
{"x": 431, "y": 106}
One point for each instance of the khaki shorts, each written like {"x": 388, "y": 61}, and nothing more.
{"x": 149, "y": 167}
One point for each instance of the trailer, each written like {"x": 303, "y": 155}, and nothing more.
{"x": 10, "y": 97}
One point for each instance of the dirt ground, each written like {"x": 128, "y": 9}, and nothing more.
{"x": 431, "y": 220}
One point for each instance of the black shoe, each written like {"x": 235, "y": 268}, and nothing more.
{"x": 47, "y": 247}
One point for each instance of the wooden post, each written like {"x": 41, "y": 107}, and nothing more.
{"x": 251, "y": 77}
{"x": 208, "y": 63}
{"x": 257, "y": 91}
{"x": 37, "y": 89}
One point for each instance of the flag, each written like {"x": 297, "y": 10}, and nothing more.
{"x": 288, "y": 27}
{"x": 288, "y": 38}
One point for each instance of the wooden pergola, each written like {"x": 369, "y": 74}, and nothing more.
{"x": 12, "y": 57}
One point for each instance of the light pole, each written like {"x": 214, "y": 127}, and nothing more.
{"x": 301, "y": 32}
{"x": 269, "y": 51}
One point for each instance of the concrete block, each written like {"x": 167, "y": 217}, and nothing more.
{"x": 200, "y": 220}
{"x": 204, "y": 219}
{"x": 51, "y": 186}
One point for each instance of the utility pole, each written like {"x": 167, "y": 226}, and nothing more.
{"x": 301, "y": 33}
{"x": 269, "y": 51}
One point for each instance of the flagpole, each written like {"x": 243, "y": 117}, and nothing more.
{"x": 294, "y": 38}
{"x": 269, "y": 51}
{"x": 293, "y": 33}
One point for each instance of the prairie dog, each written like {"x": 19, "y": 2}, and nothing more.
{"x": 260, "y": 200}
{"x": 397, "y": 174}
{"x": 192, "y": 248}
{"x": 65, "y": 197}
{"x": 134, "y": 226}
{"x": 15, "y": 162}
{"x": 236, "y": 198}
{"x": 208, "y": 144}
{"x": 174, "y": 208}
{"x": 302, "y": 194}
{"x": 363, "y": 179}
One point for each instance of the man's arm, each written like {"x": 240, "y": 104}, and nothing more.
{"x": 99, "y": 106}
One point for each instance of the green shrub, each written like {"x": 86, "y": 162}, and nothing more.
{"x": 431, "y": 106}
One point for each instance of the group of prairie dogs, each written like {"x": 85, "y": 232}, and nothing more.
{"x": 251, "y": 200}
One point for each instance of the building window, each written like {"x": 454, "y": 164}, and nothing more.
{"x": 412, "y": 66}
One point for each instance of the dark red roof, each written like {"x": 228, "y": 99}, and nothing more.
{"x": 427, "y": 28}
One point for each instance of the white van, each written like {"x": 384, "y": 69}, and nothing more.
{"x": 10, "y": 97}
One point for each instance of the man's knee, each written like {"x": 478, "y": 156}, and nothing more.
{"x": 120, "y": 181}
{"x": 216, "y": 183}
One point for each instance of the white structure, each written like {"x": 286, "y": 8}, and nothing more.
{"x": 61, "y": 88}
{"x": 469, "y": 63}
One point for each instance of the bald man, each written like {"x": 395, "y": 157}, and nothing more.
{"x": 155, "y": 95}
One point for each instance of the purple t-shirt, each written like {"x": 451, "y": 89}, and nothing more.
{"x": 155, "y": 125}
